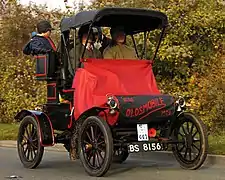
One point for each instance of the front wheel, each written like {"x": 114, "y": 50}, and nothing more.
{"x": 191, "y": 151}
{"x": 28, "y": 143}
{"x": 96, "y": 146}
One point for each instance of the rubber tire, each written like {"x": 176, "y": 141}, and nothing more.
{"x": 204, "y": 149}
{"x": 109, "y": 146}
{"x": 121, "y": 158}
{"x": 33, "y": 164}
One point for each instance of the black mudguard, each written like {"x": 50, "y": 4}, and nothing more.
{"x": 44, "y": 123}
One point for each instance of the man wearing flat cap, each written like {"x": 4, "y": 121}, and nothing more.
{"x": 41, "y": 43}
{"x": 118, "y": 49}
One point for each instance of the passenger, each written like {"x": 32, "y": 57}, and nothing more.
{"x": 101, "y": 41}
{"x": 40, "y": 43}
{"x": 118, "y": 49}
{"x": 90, "y": 52}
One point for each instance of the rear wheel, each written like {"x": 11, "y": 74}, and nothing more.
{"x": 28, "y": 143}
{"x": 96, "y": 146}
{"x": 192, "y": 150}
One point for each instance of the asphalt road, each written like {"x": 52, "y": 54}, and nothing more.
{"x": 57, "y": 166}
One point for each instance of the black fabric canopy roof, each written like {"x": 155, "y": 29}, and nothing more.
{"x": 132, "y": 19}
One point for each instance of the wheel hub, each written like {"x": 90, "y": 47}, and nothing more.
{"x": 88, "y": 147}
{"x": 95, "y": 146}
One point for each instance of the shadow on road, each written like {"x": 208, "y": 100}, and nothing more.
{"x": 132, "y": 164}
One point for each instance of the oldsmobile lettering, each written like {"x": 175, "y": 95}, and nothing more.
{"x": 149, "y": 106}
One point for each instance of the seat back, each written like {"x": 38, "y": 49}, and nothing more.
{"x": 46, "y": 66}
{"x": 122, "y": 77}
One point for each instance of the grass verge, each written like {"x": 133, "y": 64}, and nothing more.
{"x": 216, "y": 142}
{"x": 8, "y": 131}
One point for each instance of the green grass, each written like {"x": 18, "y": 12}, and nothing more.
{"x": 8, "y": 131}
{"x": 216, "y": 142}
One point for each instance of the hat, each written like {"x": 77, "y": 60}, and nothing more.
{"x": 84, "y": 30}
{"x": 97, "y": 31}
{"x": 44, "y": 26}
{"x": 115, "y": 30}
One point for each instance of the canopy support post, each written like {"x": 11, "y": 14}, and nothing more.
{"x": 145, "y": 44}
{"x": 160, "y": 39}
{"x": 89, "y": 31}
{"x": 68, "y": 56}
{"x": 74, "y": 48}
{"x": 135, "y": 47}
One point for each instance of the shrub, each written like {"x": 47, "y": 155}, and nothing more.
{"x": 18, "y": 87}
{"x": 190, "y": 58}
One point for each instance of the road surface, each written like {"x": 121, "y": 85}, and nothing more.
{"x": 57, "y": 166}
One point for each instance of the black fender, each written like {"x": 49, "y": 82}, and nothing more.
{"x": 94, "y": 111}
{"x": 174, "y": 119}
{"x": 44, "y": 123}
{"x": 178, "y": 115}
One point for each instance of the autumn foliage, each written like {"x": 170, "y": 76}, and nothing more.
{"x": 18, "y": 87}
{"x": 190, "y": 62}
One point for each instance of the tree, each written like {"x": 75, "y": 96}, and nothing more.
{"x": 192, "y": 49}
{"x": 18, "y": 87}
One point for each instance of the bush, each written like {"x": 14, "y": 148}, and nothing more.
{"x": 18, "y": 87}
{"x": 190, "y": 61}
{"x": 208, "y": 96}
{"x": 190, "y": 58}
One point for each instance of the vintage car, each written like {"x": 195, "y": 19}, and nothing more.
{"x": 113, "y": 106}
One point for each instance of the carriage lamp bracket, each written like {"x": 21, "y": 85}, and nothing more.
{"x": 112, "y": 104}
{"x": 181, "y": 103}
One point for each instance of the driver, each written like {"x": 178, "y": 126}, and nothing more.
{"x": 118, "y": 49}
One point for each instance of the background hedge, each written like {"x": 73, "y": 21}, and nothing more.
{"x": 191, "y": 60}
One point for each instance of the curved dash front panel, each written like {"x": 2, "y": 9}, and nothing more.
{"x": 145, "y": 108}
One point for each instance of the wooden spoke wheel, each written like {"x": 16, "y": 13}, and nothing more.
{"x": 96, "y": 146}
{"x": 191, "y": 132}
{"x": 28, "y": 143}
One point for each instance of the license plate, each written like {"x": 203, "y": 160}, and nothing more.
{"x": 142, "y": 132}
{"x": 144, "y": 147}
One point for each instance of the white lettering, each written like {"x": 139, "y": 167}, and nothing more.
{"x": 136, "y": 147}
{"x": 133, "y": 148}
{"x": 145, "y": 147}
{"x": 153, "y": 147}
{"x": 158, "y": 146}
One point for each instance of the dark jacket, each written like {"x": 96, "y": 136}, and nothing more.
{"x": 105, "y": 43}
{"x": 39, "y": 45}
{"x": 95, "y": 53}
